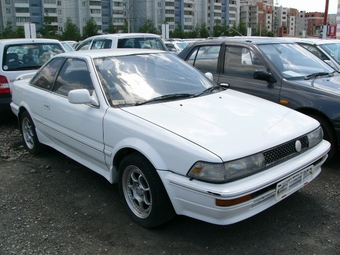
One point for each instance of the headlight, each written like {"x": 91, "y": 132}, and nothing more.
{"x": 315, "y": 137}
{"x": 228, "y": 171}
{"x": 237, "y": 169}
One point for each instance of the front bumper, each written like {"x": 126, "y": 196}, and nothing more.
{"x": 197, "y": 199}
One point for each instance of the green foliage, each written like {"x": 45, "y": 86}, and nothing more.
{"x": 204, "y": 32}
{"x": 148, "y": 27}
{"x": 20, "y": 32}
{"x": 178, "y": 32}
{"x": 71, "y": 31}
{"x": 48, "y": 31}
{"x": 111, "y": 29}
{"x": 9, "y": 32}
{"x": 90, "y": 28}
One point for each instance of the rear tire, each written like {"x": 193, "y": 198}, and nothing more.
{"x": 29, "y": 135}
{"x": 143, "y": 193}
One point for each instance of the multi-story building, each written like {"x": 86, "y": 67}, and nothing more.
{"x": 257, "y": 14}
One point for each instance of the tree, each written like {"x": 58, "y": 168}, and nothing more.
{"x": 90, "y": 28}
{"x": 48, "y": 31}
{"x": 242, "y": 28}
{"x": 217, "y": 29}
{"x": 204, "y": 32}
{"x": 178, "y": 32}
{"x": 148, "y": 27}
{"x": 71, "y": 31}
{"x": 111, "y": 29}
{"x": 20, "y": 32}
{"x": 9, "y": 31}
{"x": 195, "y": 33}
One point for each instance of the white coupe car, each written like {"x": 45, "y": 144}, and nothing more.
{"x": 175, "y": 142}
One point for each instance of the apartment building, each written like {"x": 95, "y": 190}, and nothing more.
{"x": 257, "y": 14}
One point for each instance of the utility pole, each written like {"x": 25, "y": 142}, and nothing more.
{"x": 324, "y": 31}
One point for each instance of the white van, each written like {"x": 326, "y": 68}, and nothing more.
{"x": 21, "y": 56}
{"x": 123, "y": 40}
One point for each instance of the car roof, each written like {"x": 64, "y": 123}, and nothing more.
{"x": 108, "y": 52}
{"x": 27, "y": 40}
{"x": 244, "y": 39}
{"x": 316, "y": 41}
{"x": 124, "y": 35}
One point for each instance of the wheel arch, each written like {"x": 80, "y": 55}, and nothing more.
{"x": 325, "y": 121}
{"x": 144, "y": 149}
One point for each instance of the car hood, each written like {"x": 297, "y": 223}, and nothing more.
{"x": 229, "y": 124}
{"x": 327, "y": 84}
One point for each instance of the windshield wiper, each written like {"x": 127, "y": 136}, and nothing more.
{"x": 314, "y": 75}
{"x": 211, "y": 89}
{"x": 166, "y": 97}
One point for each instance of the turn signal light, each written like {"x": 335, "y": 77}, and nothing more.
{"x": 220, "y": 202}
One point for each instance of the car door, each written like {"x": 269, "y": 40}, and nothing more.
{"x": 205, "y": 59}
{"x": 75, "y": 129}
{"x": 237, "y": 67}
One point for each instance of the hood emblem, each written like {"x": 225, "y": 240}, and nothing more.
{"x": 298, "y": 145}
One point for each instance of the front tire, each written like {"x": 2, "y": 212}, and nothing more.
{"x": 143, "y": 192}
{"x": 29, "y": 135}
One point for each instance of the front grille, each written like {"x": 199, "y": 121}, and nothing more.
{"x": 285, "y": 151}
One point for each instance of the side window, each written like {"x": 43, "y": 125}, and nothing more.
{"x": 44, "y": 79}
{"x": 315, "y": 51}
{"x": 98, "y": 44}
{"x": 73, "y": 75}
{"x": 241, "y": 62}
{"x": 126, "y": 43}
{"x": 84, "y": 45}
{"x": 107, "y": 44}
{"x": 205, "y": 58}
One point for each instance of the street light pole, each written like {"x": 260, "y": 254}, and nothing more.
{"x": 127, "y": 13}
{"x": 324, "y": 31}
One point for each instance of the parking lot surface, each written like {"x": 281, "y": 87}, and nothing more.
{"x": 49, "y": 204}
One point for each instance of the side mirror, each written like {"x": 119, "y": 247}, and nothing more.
{"x": 81, "y": 96}
{"x": 264, "y": 75}
{"x": 209, "y": 76}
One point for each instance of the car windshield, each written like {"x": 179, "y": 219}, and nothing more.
{"x": 138, "y": 79}
{"x": 333, "y": 49}
{"x": 293, "y": 61}
{"x": 29, "y": 56}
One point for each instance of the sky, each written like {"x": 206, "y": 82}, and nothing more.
{"x": 310, "y": 5}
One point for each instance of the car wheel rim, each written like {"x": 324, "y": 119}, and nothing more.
{"x": 27, "y": 133}
{"x": 137, "y": 191}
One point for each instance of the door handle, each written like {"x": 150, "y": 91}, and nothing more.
{"x": 46, "y": 106}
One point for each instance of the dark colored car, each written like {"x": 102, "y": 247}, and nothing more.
{"x": 274, "y": 69}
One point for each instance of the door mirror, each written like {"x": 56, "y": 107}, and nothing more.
{"x": 264, "y": 75}
{"x": 209, "y": 76}
{"x": 81, "y": 96}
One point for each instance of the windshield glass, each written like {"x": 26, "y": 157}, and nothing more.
{"x": 135, "y": 79}
{"x": 333, "y": 49}
{"x": 293, "y": 61}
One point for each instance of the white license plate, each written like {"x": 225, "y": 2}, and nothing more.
{"x": 293, "y": 183}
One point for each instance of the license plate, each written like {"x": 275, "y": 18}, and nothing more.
{"x": 293, "y": 183}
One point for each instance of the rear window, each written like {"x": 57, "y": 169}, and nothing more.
{"x": 28, "y": 56}
{"x": 144, "y": 43}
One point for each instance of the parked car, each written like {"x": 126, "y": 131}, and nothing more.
{"x": 175, "y": 46}
{"x": 277, "y": 70}
{"x": 67, "y": 46}
{"x": 122, "y": 40}
{"x": 20, "y": 56}
{"x": 71, "y": 43}
{"x": 326, "y": 50}
{"x": 175, "y": 142}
